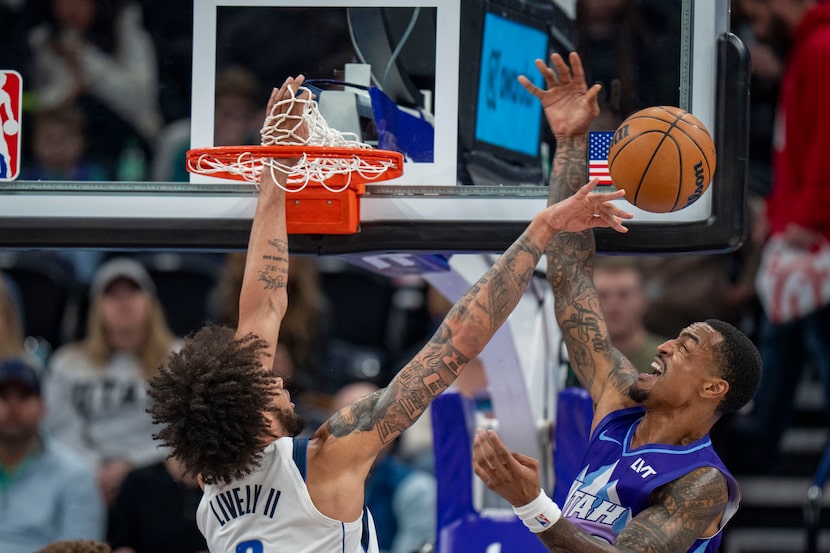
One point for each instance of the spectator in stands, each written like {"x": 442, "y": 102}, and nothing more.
{"x": 683, "y": 289}
{"x": 236, "y": 115}
{"x": 14, "y": 20}
{"x": 245, "y": 34}
{"x": 236, "y": 122}
{"x": 624, "y": 43}
{"x": 11, "y": 325}
{"x": 797, "y": 218}
{"x": 749, "y": 19}
{"x": 303, "y": 322}
{"x": 622, "y": 296}
{"x": 96, "y": 54}
{"x": 96, "y": 390}
{"x": 46, "y": 492}
{"x": 59, "y": 145}
{"x": 400, "y": 497}
{"x": 155, "y": 511}
{"x": 171, "y": 28}
{"x": 12, "y": 329}
{"x": 76, "y": 546}
{"x": 302, "y": 341}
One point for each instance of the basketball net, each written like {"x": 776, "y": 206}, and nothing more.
{"x": 280, "y": 129}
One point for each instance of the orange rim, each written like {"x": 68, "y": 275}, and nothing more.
{"x": 253, "y": 154}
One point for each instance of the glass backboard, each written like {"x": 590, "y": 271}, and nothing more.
{"x": 467, "y": 185}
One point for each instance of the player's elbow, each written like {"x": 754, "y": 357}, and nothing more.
{"x": 265, "y": 309}
{"x": 277, "y": 304}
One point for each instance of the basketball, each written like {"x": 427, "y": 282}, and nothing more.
{"x": 663, "y": 157}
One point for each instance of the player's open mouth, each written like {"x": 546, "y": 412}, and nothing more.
{"x": 656, "y": 368}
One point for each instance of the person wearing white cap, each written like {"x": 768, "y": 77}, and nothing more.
{"x": 96, "y": 387}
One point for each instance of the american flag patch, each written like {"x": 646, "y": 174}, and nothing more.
{"x": 598, "y": 145}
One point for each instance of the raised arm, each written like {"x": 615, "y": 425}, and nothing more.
{"x": 263, "y": 298}
{"x": 570, "y": 107}
{"x": 359, "y": 431}
{"x": 680, "y": 511}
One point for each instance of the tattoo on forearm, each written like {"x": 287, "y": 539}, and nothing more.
{"x": 355, "y": 417}
{"x": 570, "y": 257}
{"x": 490, "y": 301}
{"x": 274, "y": 272}
{"x": 391, "y": 410}
{"x": 505, "y": 287}
{"x": 272, "y": 281}
{"x": 469, "y": 325}
{"x": 570, "y": 168}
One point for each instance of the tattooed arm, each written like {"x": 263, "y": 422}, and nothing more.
{"x": 600, "y": 367}
{"x": 680, "y": 512}
{"x": 264, "y": 299}
{"x": 570, "y": 107}
{"x": 352, "y": 437}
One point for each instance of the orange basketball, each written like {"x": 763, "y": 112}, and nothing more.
{"x": 663, "y": 157}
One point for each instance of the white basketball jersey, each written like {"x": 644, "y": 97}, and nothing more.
{"x": 270, "y": 511}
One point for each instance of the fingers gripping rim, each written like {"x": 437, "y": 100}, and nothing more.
{"x": 283, "y": 126}
{"x": 318, "y": 153}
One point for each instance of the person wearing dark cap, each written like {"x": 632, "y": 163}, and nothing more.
{"x": 47, "y": 493}
{"x": 96, "y": 390}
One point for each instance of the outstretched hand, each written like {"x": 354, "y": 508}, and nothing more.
{"x": 513, "y": 476}
{"x": 284, "y": 124}
{"x": 569, "y": 105}
{"x": 284, "y": 121}
{"x": 588, "y": 209}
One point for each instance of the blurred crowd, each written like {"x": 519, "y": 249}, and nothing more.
{"x": 76, "y": 442}
{"x": 107, "y": 97}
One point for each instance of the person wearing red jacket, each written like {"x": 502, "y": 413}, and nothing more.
{"x": 797, "y": 217}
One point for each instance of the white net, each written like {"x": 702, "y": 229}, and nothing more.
{"x": 278, "y": 130}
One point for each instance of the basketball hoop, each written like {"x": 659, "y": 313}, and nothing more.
{"x": 331, "y": 167}
{"x": 327, "y": 170}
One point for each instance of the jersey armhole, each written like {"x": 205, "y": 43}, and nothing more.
{"x": 366, "y": 535}
{"x": 300, "y": 454}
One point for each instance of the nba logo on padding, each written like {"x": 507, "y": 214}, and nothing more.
{"x": 11, "y": 92}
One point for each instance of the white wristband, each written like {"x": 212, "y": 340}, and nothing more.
{"x": 540, "y": 514}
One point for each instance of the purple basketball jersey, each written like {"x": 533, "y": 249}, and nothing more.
{"x": 616, "y": 481}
